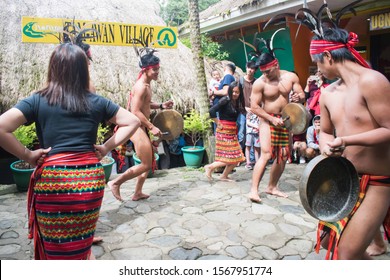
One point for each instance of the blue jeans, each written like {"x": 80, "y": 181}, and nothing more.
{"x": 241, "y": 124}
{"x": 241, "y": 135}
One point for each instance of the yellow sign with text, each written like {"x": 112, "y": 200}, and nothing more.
{"x": 380, "y": 21}
{"x": 47, "y": 30}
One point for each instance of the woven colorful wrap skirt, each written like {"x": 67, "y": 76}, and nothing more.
{"x": 64, "y": 199}
{"x": 227, "y": 148}
{"x": 280, "y": 142}
{"x": 335, "y": 229}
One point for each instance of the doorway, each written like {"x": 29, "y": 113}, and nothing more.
{"x": 380, "y": 53}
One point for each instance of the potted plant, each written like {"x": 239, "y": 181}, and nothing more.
{"x": 21, "y": 170}
{"x": 107, "y": 161}
{"x": 195, "y": 126}
{"x": 6, "y": 173}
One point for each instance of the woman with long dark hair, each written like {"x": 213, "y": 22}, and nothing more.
{"x": 67, "y": 187}
{"x": 228, "y": 152}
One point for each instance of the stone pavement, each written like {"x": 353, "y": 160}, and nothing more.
{"x": 186, "y": 218}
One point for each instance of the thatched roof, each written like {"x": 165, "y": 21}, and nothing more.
{"x": 224, "y": 6}
{"x": 23, "y": 66}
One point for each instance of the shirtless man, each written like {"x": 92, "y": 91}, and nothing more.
{"x": 141, "y": 104}
{"x": 270, "y": 94}
{"x": 141, "y": 142}
{"x": 355, "y": 109}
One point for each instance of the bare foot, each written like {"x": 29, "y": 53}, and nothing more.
{"x": 226, "y": 179}
{"x": 255, "y": 198}
{"x": 115, "y": 190}
{"x": 207, "y": 172}
{"x": 276, "y": 192}
{"x": 97, "y": 239}
{"x": 140, "y": 196}
{"x": 376, "y": 250}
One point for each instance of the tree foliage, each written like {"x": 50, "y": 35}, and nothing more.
{"x": 175, "y": 12}
{"x": 210, "y": 48}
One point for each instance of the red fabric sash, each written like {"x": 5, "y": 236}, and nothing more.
{"x": 280, "y": 142}
{"x": 315, "y": 101}
{"x": 319, "y": 46}
{"x": 336, "y": 229}
{"x": 268, "y": 65}
{"x": 383, "y": 181}
{"x": 146, "y": 68}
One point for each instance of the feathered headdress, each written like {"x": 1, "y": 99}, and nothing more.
{"x": 72, "y": 33}
{"x": 315, "y": 21}
{"x": 260, "y": 46}
{"x": 145, "y": 54}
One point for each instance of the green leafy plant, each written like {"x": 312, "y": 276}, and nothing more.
{"x": 196, "y": 125}
{"x": 101, "y": 134}
{"x": 100, "y": 138}
{"x": 27, "y": 135}
{"x": 210, "y": 48}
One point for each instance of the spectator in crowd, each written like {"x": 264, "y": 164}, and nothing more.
{"x": 246, "y": 82}
{"x": 228, "y": 152}
{"x": 222, "y": 90}
{"x": 214, "y": 85}
{"x": 66, "y": 189}
{"x": 309, "y": 148}
{"x": 252, "y": 141}
{"x": 314, "y": 103}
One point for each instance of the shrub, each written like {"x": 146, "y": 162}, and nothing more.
{"x": 101, "y": 134}
{"x": 196, "y": 126}
{"x": 210, "y": 48}
{"x": 27, "y": 135}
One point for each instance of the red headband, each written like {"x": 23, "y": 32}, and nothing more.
{"x": 319, "y": 46}
{"x": 269, "y": 65}
{"x": 89, "y": 53}
{"x": 146, "y": 68}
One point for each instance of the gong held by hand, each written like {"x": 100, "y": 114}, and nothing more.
{"x": 329, "y": 188}
{"x": 170, "y": 123}
{"x": 295, "y": 118}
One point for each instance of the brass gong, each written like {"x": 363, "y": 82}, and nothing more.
{"x": 295, "y": 117}
{"x": 329, "y": 188}
{"x": 170, "y": 123}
